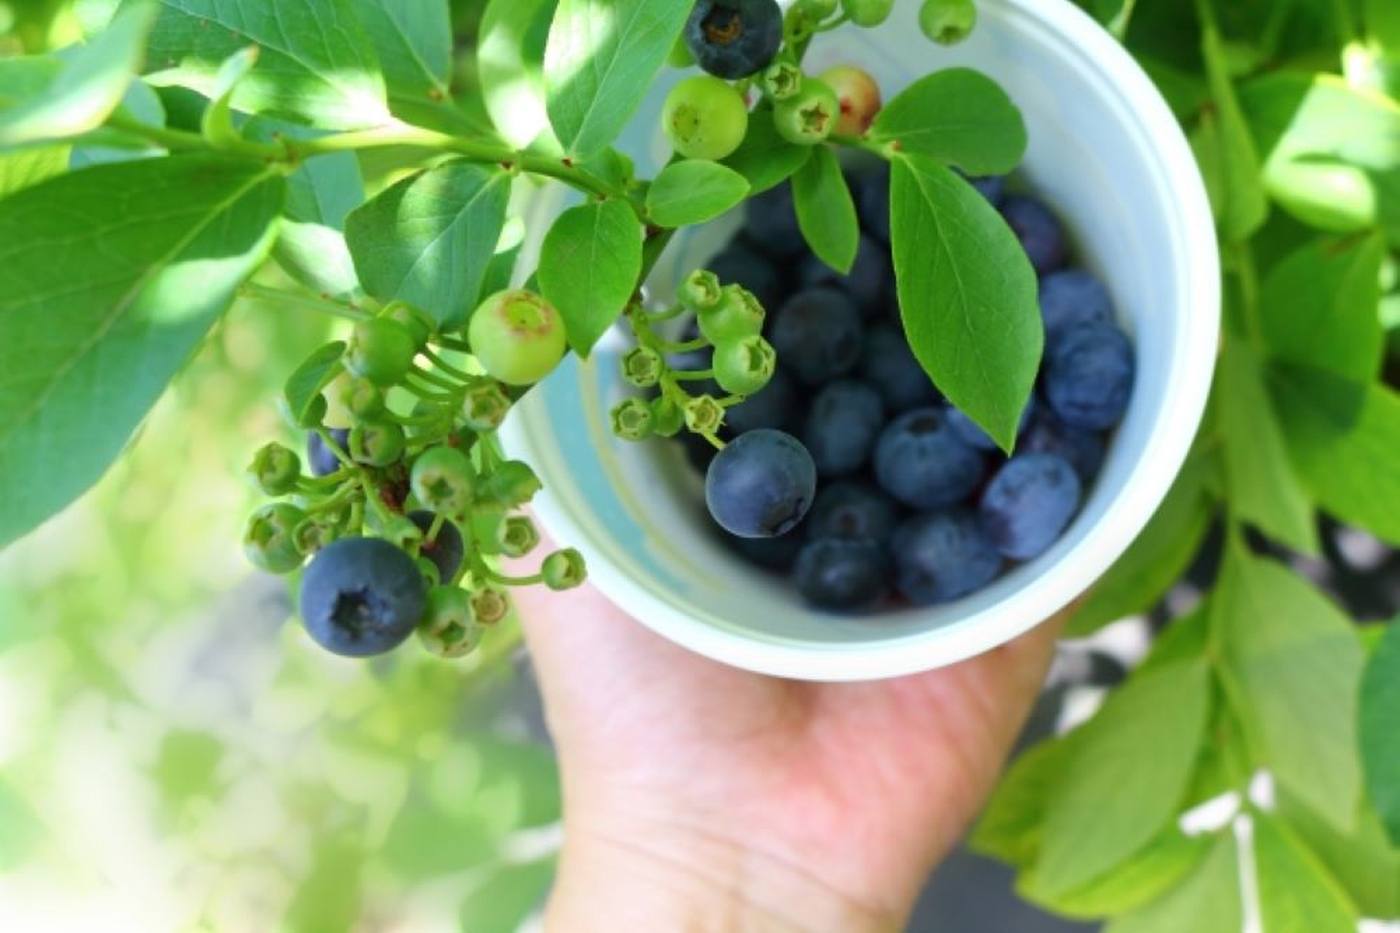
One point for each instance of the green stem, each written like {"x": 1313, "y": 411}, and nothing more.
{"x": 709, "y": 436}
{"x": 310, "y": 302}
{"x": 695, "y": 374}
{"x": 1248, "y": 274}
{"x": 668, "y": 346}
{"x": 452, "y": 343}
{"x": 434, "y": 379}
{"x": 442, "y": 364}
{"x": 496, "y": 576}
{"x": 435, "y": 528}
{"x": 335, "y": 449}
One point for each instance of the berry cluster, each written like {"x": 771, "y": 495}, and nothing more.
{"x": 409, "y": 503}
{"x": 913, "y": 500}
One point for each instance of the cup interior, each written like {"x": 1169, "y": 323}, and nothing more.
{"x": 1107, "y": 155}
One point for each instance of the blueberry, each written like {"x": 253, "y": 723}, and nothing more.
{"x": 742, "y": 264}
{"x": 817, "y": 334}
{"x": 319, "y": 457}
{"x": 447, "y": 551}
{"x": 1039, "y": 231}
{"x": 852, "y": 510}
{"x": 1028, "y": 504}
{"x": 973, "y": 435}
{"x": 874, "y": 204}
{"x": 734, "y": 38}
{"x": 761, "y": 485}
{"x": 991, "y": 187}
{"x": 1089, "y": 377}
{"x": 1070, "y": 298}
{"x": 889, "y": 365}
{"x": 842, "y": 426}
{"x": 942, "y": 556}
{"x": 775, "y": 554}
{"x": 771, "y": 223}
{"x": 361, "y": 597}
{"x": 1084, "y": 450}
{"x": 772, "y": 406}
{"x": 841, "y": 574}
{"x": 866, "y": 281}
{"x": 921, "y": 461}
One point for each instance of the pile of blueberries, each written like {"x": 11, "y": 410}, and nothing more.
{"x": 914, "y": 502}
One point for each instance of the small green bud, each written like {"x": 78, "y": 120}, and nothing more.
{"x": 564, "y": 570}
{"x": 809, "y": 116}
{"x": 431, "y": 575}
{"x": 449, "y": 628}
{"x": 868, "y": 12}
{"x": 744, "y": 366}
{"x": 270, "y": 538}
{"x": 362, "y": 398}
{"x": 315, "y": 532}
{"x": 948, "y": 22}
{"x": 667, "y": 419}
{"x": 490, "y": 604}
{"x": 631, "y": 419}
{"x": 417, "y": 321}
{"x": 443, "y": 480}
{"x": 486, "y": 528}
{"x": 517, "y": 536}
{"x": 485, "y": 406}
{"x": 380, "y": 350}
{"x": 782, "y": 80}
{"x": 512, "y": 484}
{"x": 738, "y": 314}
{"x": 377, "y": 443}
{"x": 642, "y": 367}
{"x": 703, "y": 415}
{"x": 699, "y": 291}
{"x": 817, "y": 9}
{"x": 275, "y": 469}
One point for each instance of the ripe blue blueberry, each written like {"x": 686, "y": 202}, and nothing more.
{"x": 1039, "y": 230}
{"x": 922, "y": 462}
{"x": 973, "y": 435}
{"x": 447, "y": 550}
{"x": 841, "y": 574}
{"x": 1070, "y": 298}
{"x": 842, "y": 426}
{"x": 771, "y": 223}
{"x": 1028, "y": 504}
{"x": 775, "y": 554}
{"x": 1083, "y": 450}
{"x": 818, "y": 335}
{"x": 874, "y": 203}
{"x": 761, "y": 485}
{"x": 742, "y": 264}
{"x": 866, "y": 282}
{"x": 319, "y": 457}
{"x": 361, "y": 597}
{"x": 889, "y": 365}
{"x": 942, "y": 556}
{"x": 1089, "y": 377}
{"x": 852, "y": 510}
{"x": 734, "y": 38}
{"x": 773, "y": 406}
{"x": 991, "y": 187}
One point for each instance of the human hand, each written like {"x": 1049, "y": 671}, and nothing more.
{"x": 702, "y": 797}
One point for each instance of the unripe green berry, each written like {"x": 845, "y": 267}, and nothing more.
{"x": 948, "y": 22}
{"x": 315, "y": 532}
{"x": 377, "y": 443}
{"x": 362, "y": 398}
{"x": 868, "y": 12}
{"x": 490, "y": 604}
{"x": 703, "y": 415}
{"x": 564, "y": 570}
{"x": 642, "y": 367}
{"x": 631, "y": 419}
{"x": 700, "y": 290}
{"x": 449, "y": 628}
{"x": 485, "y": 406}
{"x": 781, "y": 80}
{"x": 511, "y": 484}
{"x": 431, "y": 575}
{"x": 270, "y": 538}
{"x": 705, "y": 118}
{"x": 809, "y": 116}
{"x": 381, "y": 350}
{"x": 517, "y": 336}
{"x": 744, "y": 366}
{"x": 817, "y": 9}
{"x": 443, "y": 480}
{"x": 667, "y": 419}
{"x": 517, "y": 536}
{"x": 417, "y": 321}
{"x": 738, "y": 314}
{"x": 276, "y": 469}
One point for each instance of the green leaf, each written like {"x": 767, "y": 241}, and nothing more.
{"x": 413, "y": 41}
{"x": 505, "y": 898}
{"x": 1010, "y": 827}
{"x": 1145, "y": 876}
{"x": 329, "y": 896}
{"x": 1296, "y": 665}
{"x": 1318, "y": 307}
{"x": 765, "y": 158}
{"x": 1342, "y": 440}
{"x": 314, "y": 61}
{"x": 1296, "y": 892}
{"x": 589, "y": 264}
{"x": 694, "y": 191}
{"x": 101, "y": 146}
{"x": 20, "y": 829}
{"x": 1209, "y": 149}
{"x": 1380, "y": 730}
{"x": 96, "y": 325}
{"x": 600, "y": 61}
{"x": 187, "y": 765}
{"x": 967, "y": 294}
{"x": 510, "y": 63}
{"x": 314, "y": 374}
{"x": 1148, "y": 736}
{"x": 1244, "y": 205}
{"x": 428, "y": 239}
{"x": 825, "y": 211}
{"x": 1363, "y": 861}
{"x": 216, "y": 123}
{"x": 1208, "y": 901}
{"x": 22, "y": 168}
{"x": 1263, "y": 489}
{"x": 958, "y": 116}
{"x": 1156, "y": 559}
{"x": 86, "y": 88}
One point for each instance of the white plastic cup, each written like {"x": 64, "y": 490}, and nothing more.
{"x": 1107, "y": 153}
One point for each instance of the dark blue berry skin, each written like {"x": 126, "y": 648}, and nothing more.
{"x": 1089, "y": 377}
{"x": 867, "y": 281}
{"x": 361, "y": 597}
{"x": 889, "y": 365}
{"x": 319, "y": 457}
{"x": 842, "y": 426}
{"x": 991, "y": 187}
{"x": 1039, "y": 231}
{"x": 447, "y": 551}
{"x": 742, "y": 264}
{"x": 973, "y": 435}
{"x": 773, "y": 406}
{"x": 771, "y": 223}
{"x": 942, "y": 556}
{"x": 734, "y": 38}
{"x": 852, "y": 510}
{"x": 841, "y": 574}
{"x": 921, "y": 461}
{"x": 1028, "y": 503}
{"x": 874, "y": 204}
{"x": 761, "y": 485}
{"x": 1070, "y": 298}
{"x": 818, "y": 335}
{"x": 775, "y": 554}
{"x": 1083, "y": 450}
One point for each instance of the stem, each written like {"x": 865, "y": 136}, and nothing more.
{"x": 452, "y": 343}
{"x": 435, "y": 528}
{"x": 427, "y": 395}
{"x": 709, "y": 436}
{"x": 447, "y": 367}
{"x": 434, "y": 379}
{"x": 1249, "y": 292}
{"x": 335, "y": 449}
{"x": 695, "y": 374}
{"x": 497, "y": 577}
{"x": 667, "y": 346}
{"x": 318, "y": 303}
